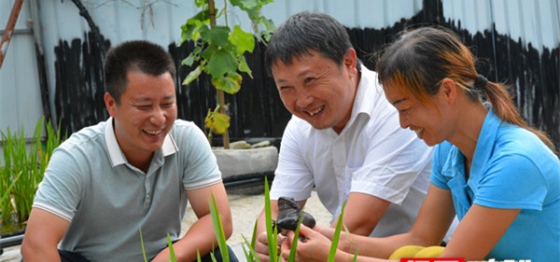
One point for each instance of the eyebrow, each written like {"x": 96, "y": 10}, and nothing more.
{"x": 321, "y": 73}
{"x": 147, "y": 99}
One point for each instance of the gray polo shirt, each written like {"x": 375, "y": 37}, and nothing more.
{"x": 90, "y": 183}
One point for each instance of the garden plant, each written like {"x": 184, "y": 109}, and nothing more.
{"x": 22, "y": 171}
{"x": 272, "y": 233}
{"x": 219, "y": 53}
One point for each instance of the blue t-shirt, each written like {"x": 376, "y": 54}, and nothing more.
{"x": 511, "y": 169}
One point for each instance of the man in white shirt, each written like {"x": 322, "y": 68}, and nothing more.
{"x": 344, "y": 138}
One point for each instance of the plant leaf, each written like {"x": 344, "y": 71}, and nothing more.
{"x": 230, "y": 84}
{"x": 293, "y": 248}
{"x": 189, "y": 60}
{"x": 247, "y": 4}
{"x": 217, "y": 35}
{"x": 244, "y": 67}
{"x": 142, "y": 242}
{"x": 271, "y": 231}
{"x": 217, "y": 122}
{"x": 171, "y": 250}
{"x": 192, "y": 75}
{"x": 336, "y": 236}
{"x": 221, "y": 62}
{"x": 219, "y": 229}
{"x": 245, "y": 42}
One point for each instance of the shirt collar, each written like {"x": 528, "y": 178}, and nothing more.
{"x": 366, "y": 94}
{"x": 486, "y": 140}
{"x": 116, "y": 154}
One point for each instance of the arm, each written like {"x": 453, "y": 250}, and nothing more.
{"x": 391, "y": 166}
{"x": 433, "y": 220}
{"x": 356, "y": 220}
{"x": 473, "y": 239}
{"x": 479, "y": 231}
{"x": 201, "y": 236}
{"x": 43, "y": 233}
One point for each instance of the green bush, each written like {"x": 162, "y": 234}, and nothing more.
{"x": 24, "y": 166}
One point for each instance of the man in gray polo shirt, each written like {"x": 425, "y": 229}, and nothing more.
{"x": 119, "y": 183}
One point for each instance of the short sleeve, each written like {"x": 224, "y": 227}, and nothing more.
{"x": 292, "y": 177}
{"x": 200, "y": 168}
{"x": 512, "y": 181}
{"x": 61, "y": 189}
{"x": 441, "y": 154}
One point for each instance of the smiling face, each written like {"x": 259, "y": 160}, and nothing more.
{"x": 430, "y": 121}
{"x": 146, "y": 113}
{"x": 317, "y": 89}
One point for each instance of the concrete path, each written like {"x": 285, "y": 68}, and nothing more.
{"x": 245, "y": 210}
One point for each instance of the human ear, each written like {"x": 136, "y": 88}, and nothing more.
{"x": 449, "y": 90}
{"x": 350, "y": 60}
{"x": 110, "y": 103}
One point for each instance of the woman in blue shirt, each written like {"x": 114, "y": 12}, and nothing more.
{"x": 498, "y": 175}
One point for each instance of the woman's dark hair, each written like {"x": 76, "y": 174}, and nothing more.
{"x": 138, "y": 55}
{"x": 420, "y": 59}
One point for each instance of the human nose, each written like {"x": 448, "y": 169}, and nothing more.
{"x": 303, "y": 99}
{"x": 403, "y": 120}
{"x": 158, "y": 116}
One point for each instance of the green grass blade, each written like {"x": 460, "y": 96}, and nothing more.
{"x": 249, "y": 250}
{"x": 334, "y": 243}
{"x": 219, "y": 229}
{"x": 252, "y": 256}
{"x": 6, "y": 196}
{"x": 271, "y": 232}
{"x": 142, "y": 242}
{"x": 171, "y": 250}
{"x": 293, "y": 247}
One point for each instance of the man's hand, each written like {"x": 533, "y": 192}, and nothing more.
{"x": 315, "y": 247}
{"x": 261, "y": 246}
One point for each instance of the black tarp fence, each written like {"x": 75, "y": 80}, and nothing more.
{"x": 257, "y": 111}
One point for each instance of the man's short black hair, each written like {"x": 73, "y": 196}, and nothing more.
{"x": 138, "y": 55}
{"x": 305, "y": 32}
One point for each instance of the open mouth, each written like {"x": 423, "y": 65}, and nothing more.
{"x": 317, "y": 111}
{"x": 418, "y": 131}
{"x": 153, "y": 133}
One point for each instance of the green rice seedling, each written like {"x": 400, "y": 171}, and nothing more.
{"x": 334, "y": 244}
{"x": 219, "y": 229}
{"x": 173, "y": 258}
{"x": 271, "y": 230}
{"x": 142, "y": 243}
{"x": 171, "y": 250}
{"x": 24, "y": 166}
{"x": 248, "y": 248}
{"x": 293, "y": 247}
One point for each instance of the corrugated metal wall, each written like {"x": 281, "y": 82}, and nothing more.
{"x": 519, "y": 40}
{"x": 20, "y": 94}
